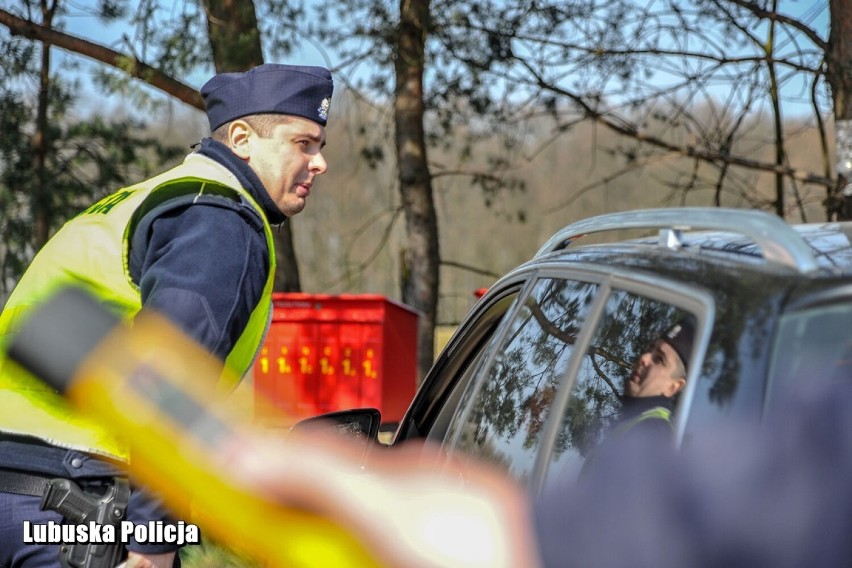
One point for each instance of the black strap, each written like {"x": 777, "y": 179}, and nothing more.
{"x": 180, "y": 187}
{"x": 23, "y": 483}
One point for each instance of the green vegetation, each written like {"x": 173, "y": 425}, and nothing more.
{"x": 208, "y": 555}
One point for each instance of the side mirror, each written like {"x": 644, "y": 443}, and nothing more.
{"x": 360, "y": 426}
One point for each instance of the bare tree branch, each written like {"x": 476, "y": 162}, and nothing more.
{"x": 630, "y": 130}
{"x": 470, "y": 268}
{"x": 128, "y": 64}
{"x": 755, "y": 9}
{"x": 721, "y": 59}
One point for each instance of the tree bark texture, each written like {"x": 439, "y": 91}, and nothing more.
{"x": 234, "y": 35}
{"x": 839, "y": 76}
{"x": 421, "y": 275}
{"x": 41, "y": 199}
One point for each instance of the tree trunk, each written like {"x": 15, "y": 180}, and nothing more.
{"x": 41, "y": 199}
{"x": 234, "y": 36}
{"x": 839, "y": 75}
{"x": 287, "y": 273}
{"x": 421, "y": 275}
{"x": 235, "y": 44}
{"x": 775, "y": 98}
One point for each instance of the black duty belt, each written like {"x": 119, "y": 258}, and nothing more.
{"x": 22, "y": 483}
{"x": 76, "y": 506}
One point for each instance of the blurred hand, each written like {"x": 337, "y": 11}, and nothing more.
{"x": 410, "y": 510}
{"x": 136, "y": 560}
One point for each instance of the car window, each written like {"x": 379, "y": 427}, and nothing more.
{"x": 629, "y": 326}
{"x": 811, "y": 345}
{"x": 438, "y": 429}
{"x": 503, "y": 419}
{"x": 731, "y": 386}
{"x": 439, "y": 395}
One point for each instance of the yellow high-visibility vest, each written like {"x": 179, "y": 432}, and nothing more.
{"x": 91, "y": 250}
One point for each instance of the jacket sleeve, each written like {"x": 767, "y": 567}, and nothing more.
{"x": 202, "y": 263}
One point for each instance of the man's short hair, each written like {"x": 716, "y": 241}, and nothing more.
{"x": 263, "y": 124}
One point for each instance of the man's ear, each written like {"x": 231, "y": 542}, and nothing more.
{"x": 674, "y": 387}
{"x": 240, "y": 138}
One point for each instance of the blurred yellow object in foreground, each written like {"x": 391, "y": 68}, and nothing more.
{"x": 157, "y": 388}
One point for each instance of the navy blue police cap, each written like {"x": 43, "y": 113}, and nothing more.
{"x": 681, "y": 336}
{"x": 269, "y": 88}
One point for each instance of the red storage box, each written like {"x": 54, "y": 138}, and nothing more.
{"x": 333, "y": 352}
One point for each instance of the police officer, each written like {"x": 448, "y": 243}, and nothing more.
{"x": 194, "y": 243}
{"x": 649, "y": 397}
{"x": 657, "y": 377}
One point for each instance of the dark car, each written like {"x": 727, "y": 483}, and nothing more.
{"x": 532, "y": 379}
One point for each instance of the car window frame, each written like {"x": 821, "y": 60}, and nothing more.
{"x": 812, "y": 302}
{"x": 535, "y": 274}
{"x": 692, "y": 299}
{"x": 453, "y": 363}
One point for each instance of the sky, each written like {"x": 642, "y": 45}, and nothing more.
{"x": 78, "y": 23}
{"x": 91, "y": 28}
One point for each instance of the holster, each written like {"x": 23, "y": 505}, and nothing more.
{"x": 77, "y": 506}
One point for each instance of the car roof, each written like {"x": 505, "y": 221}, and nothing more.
{"x": 748, "y": 236}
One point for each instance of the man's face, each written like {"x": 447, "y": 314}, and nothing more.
{"x": 659, "y": 371}
{"x": 288, "y": 161}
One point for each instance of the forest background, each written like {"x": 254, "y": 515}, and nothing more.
{"x": 462, "y": 133}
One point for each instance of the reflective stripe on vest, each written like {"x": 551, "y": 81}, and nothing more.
{"x": 656, "y": 413}
{"x": 92, "y": 250}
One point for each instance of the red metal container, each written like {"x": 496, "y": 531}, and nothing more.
{"x": 333, "y": 352}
